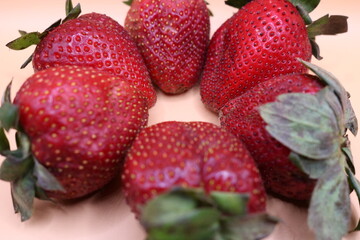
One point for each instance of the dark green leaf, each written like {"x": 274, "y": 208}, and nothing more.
{"x": 74, "y": 13}
{"x": 128, "y": 2}
{"x": 237, "y": 3}
{"x": 27, "y": 61}
{"x": 4, "y": 142}
{"x": 304, "y": 14}
{"x": 25, "y": 41}
{"x": 9, "y": 116}
{"x": 68, "y": 7}
{"x": 45, "y": 179}
{"x": 329, "y": 212}
{"x": 350, "y": 118}
{"x": 304, "y": 123}
{"x": 22, "y": 33}
{"x": 328, "y": 25}
{"x": 23, "y": 143}
{"x": 54, "y": 25}
{"x": 307, "y": 5}
{"x": 349, "y": 159}
{"x": 230, "y": 203}
{"x": 250, "y": 227}
{"x": 313, "y": 168}
{"x": 11, "y": 171}
{"x": 23, "y": 194}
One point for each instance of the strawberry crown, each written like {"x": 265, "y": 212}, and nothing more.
{"x": 28, "y": 178}
{"x": 33, "y": 38}
{"x": 326, "y": 25}
{"x": 191, "y": 214}
{"x": 314, "y": 128}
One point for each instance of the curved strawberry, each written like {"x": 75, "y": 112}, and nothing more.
{"x": 261, "y": 41}
{"x": 173, "y": 37}
{"x": 295, "y": 126}
{"x": 74, "y": 127}
{"x": 201, "y": 159}
{"x": 94, "y": 40}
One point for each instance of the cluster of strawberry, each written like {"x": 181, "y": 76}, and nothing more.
{"x": 82, "y": 117}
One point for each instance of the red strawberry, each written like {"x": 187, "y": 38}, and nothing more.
{"x": 94, "y": 40}
{"x": 172, "y": 37}
{"x": 80, "y": 123}
{"x": 295, "y": 127}
{"x": 191, "y": 155}
{"x": 241, "y": 117}
{"x": 261, "y": 41}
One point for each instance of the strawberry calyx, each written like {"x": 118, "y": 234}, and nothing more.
{"x": 33, "y": 38}
{"x": 190, "y": 214}
{"x": 314, "y": 128}
{"x": 28, "y": 178}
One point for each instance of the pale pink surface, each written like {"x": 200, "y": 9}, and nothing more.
{"x": 105, "y": 215}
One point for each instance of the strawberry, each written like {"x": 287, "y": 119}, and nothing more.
{"x": 74, "y": 127}
{"x": 261, "y": 41}
{"x": 173, "y": 37}
{"x": 295, "y": 127}
{"x": 94, "y": 40}
{"x": 199, "y": 158}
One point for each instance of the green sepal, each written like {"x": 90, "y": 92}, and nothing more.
{"x": 4, "y": 142}
{"x": 349, "y": 159}
{"x": 45, "y": 180}
{"x": 355, "y": 185}
{"x": 328, "y": 25}
{"x": 313, "y": 168}
{"x": 9, "y": 113}
{"x": 25, "y": 41}
{"x": 128, "y": 2}
{"x": 177, "y": 216}
{"x": 11, "y": 171}
{"x": 315, "y": 49}
{"x": 306, "y": 5}
{"x": 23, "y": 194}
{"x": 351, "y": 122}
{"x": 230, "y": 203}
{"x": 72, "y": 13}
{"x": 304, "y": 123}
{"x": 68, "y": 7}
{"x": 237, "y": 3}
{"x": 250, "y": 227}
{"x": 329, "y": 211}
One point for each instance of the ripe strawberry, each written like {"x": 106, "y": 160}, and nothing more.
{"x": 261, "y": 41}
{"x": 241, "y": 117}
{"x": 77, "y": 124}
{"x": 295, "y": 126}
{"x": 172, "y": 37}
{"x": 94, "y": 40}
{"x": 190, "y": 155}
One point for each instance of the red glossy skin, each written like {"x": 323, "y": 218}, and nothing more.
{"x": 261, "y": 41}
{"x": 98, "y": 41}
{"x": 193, "y": 154}
{"x": 172, "y": 37}
{"x": 80, "y": 122}
{"x": 241, "y": 117}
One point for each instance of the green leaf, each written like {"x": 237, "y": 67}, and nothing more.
{"x": 45, "y": 180}
{"x": 304, "y": 123}
{"x": 251, "y": 227}
{"x": 23, "y": 194}
{"x": 315, "y": 49}
{"x": 237, "y": 3}
{"x": 307, "y": 5}
{"x": 10, "y": 171}
{"x": 4, "y": 142}
{"x": 7, "y": 94}
{"x": 329, "y": 212}
{"x": 230, "y": 203}
{"x": 9, "y": 116}
{"x": 25, "y": 41}
{"x": 313, "y": 168}
{"x": 128, "y": 2}
{"x": 335, "y": 84}
{"x": 328, "y": 25}
{"x": 73, "y": 13}
{"x": 349, "y": 158}
{"x": 23, "y": 144}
